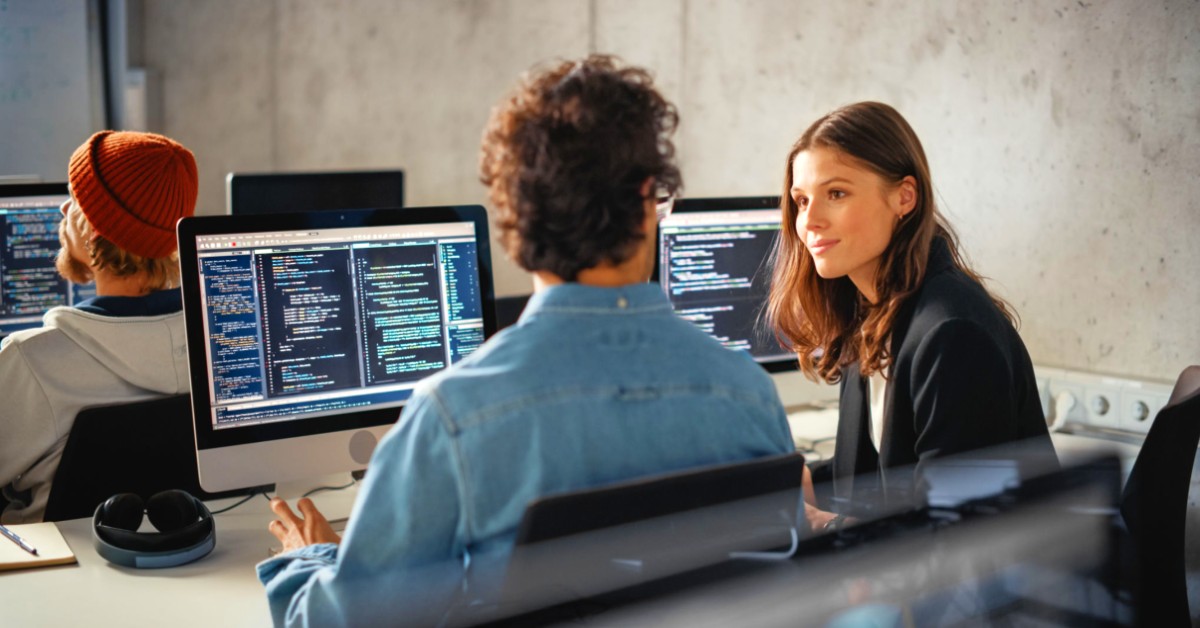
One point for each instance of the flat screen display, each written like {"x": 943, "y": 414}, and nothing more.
{"x": 298, "y": 322}
{"x": 29, "y": 283}
{"x": 714, "y": 265}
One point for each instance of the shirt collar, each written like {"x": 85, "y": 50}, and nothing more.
{"x": 574, "y": 298}
{"x": 156, "y": 303}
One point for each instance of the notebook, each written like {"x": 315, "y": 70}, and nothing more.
{"x": 51, "y": 546}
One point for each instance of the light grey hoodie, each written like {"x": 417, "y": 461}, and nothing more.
{"x": 76, "y": 360}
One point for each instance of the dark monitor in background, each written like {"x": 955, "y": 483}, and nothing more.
{"x": 29, "y": 283}
{"x": 713, "y": 262}
{"x": 285, "y": 192}
{"x": 307, "y": 332}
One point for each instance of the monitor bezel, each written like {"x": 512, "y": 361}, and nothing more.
{"x": 14, "y": 190}
{"x": 189, "y": 228}
{"x": 236, "y": 182}
{"x": 724, "y": 204}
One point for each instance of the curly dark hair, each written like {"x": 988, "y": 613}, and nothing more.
{"x": 565, "y": 157}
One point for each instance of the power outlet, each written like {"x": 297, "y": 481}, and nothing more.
{"x": 1140, "y": 404}
{"x": 1103, "y": 405}
{"x": 1099, "y": 401}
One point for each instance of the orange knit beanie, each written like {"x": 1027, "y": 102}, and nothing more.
{"x": 133, "y": 187}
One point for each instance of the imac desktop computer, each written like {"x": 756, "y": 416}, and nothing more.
{"x": 307, "y": 332}
{"x": 287, "y": 192}
{"x": 714, "y": 263}
{"x": 30, "y": 215}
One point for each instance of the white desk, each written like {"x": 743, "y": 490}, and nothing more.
{"x": 220, "y": 589}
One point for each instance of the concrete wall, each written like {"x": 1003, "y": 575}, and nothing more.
{"x": 1062, "y": 135}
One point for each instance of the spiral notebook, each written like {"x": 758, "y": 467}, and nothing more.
{"x": 52, "y": 548}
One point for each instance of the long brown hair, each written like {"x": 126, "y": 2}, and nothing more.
{"x": 827, "y": 322}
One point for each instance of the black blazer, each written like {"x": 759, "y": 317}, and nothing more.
{"x": 960, "y": 379}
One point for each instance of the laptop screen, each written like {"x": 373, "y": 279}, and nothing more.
{"x": 29, "y": 282}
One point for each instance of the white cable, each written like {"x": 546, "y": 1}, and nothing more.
{"x": 1061, "y": 407}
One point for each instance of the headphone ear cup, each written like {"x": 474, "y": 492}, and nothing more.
{"x": 123, "y": 511}
{"x": 172, "y": 510}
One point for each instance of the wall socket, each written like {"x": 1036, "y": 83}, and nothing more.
{"x": 1092, "y": 400}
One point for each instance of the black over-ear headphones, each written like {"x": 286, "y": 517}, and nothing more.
{"x": 186, "y": 531}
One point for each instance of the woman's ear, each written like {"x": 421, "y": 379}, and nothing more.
{"x": 906, "y": 194}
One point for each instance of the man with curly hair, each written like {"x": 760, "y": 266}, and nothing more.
{"x": 598, "y": 382}
{"x": 126, "y": 344}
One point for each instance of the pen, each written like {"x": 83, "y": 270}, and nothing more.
{"x": 18, "y": 540}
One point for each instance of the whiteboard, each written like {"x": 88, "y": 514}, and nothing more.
{"x": 51, "y": 91}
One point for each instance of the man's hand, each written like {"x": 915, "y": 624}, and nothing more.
{"x": 296, "y": 532}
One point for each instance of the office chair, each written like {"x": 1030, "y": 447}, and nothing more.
{"x": 142, "y": 447}
{"x": 1154, "y": 506}
{"x": 593, "y": 541}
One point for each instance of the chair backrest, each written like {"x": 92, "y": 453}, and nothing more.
{"x": 1188, "y": 383}
{"x": 142, "y": 447}
{"x": 596, "y": 540}
{"x": 1154, "y": 505}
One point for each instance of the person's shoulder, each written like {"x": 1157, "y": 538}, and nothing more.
{"x": 694, "y": 349}
{"x": 952, "y": 295}
{"x": 464, "y": 382}
{"x": 48, "y": 331}
{"x": 697, "y": 340}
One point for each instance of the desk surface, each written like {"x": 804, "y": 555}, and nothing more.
{"x": 220, "y": 589}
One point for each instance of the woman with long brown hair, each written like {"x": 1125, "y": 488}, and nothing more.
{"x": 871, "y": 290}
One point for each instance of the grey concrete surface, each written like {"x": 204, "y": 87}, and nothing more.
{"x": 1062, "y": 134}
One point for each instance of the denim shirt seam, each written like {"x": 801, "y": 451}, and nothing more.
{"x": 460, "y": 464}
{"x": 605, "y": 310}
{"x": 485, "y": 413}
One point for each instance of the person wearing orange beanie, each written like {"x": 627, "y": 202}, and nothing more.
{"x": 126, "y": 344}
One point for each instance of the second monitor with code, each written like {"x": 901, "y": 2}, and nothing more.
{"x": 714, "y": 265}
{"x": 30, "y": 215}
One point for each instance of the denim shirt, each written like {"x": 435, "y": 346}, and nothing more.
{"x": 590, "y": 387}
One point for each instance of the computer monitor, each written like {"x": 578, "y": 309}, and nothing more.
{"x": 284, "y": 192}
{"x": 307, "y": 332}
{"x": 714, "y": 264}
{"x": 29, "y": 283}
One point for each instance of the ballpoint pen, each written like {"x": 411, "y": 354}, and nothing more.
{"x": 18, "y": 540}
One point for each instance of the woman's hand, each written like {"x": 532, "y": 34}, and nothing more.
{"x": 819, "y": 520}
{"x": 295, "y": 531}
